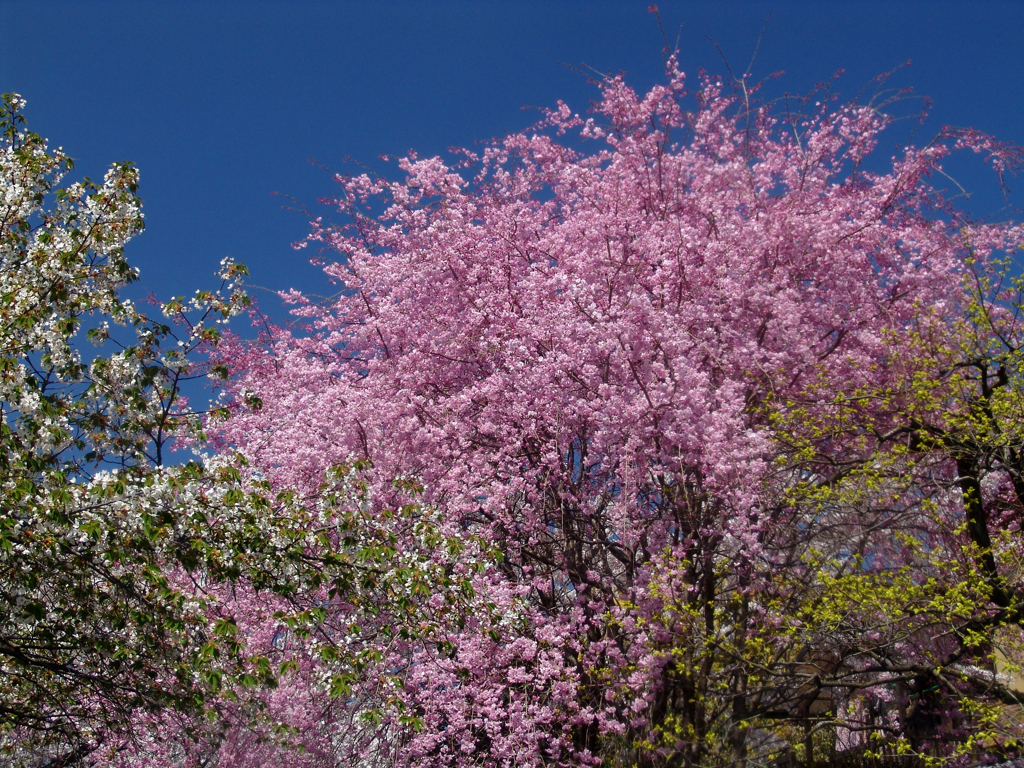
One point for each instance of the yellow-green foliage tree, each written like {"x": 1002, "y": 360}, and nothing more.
{"x": 909, "y": 628}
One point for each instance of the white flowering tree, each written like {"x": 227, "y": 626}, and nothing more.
{"x": 102, "y": 549}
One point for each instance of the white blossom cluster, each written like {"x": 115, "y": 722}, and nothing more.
{"x": 103, "y": 551}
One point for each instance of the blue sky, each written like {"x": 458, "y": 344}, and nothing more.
{"x": 222, "y": 104}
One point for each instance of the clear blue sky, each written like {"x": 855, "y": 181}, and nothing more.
{"x": 221, "y": 104}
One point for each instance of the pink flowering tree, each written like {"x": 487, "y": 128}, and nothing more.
{"x": 654, "y": 414}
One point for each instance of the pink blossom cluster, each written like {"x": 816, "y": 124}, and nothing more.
{"x": 575, "y": 346}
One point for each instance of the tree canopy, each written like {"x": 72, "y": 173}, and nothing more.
{"x": 730, "y": 406}
{"x": 684, "y": 433}
{"x": 101, "y": 543}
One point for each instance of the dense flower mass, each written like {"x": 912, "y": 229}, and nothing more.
{"x": 724, "y": 414}
{"x": 686, "y": 433}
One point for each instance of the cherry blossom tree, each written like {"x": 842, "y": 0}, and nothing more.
{"x": 674, "y": 437}
{"x": 104, "y": 549}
